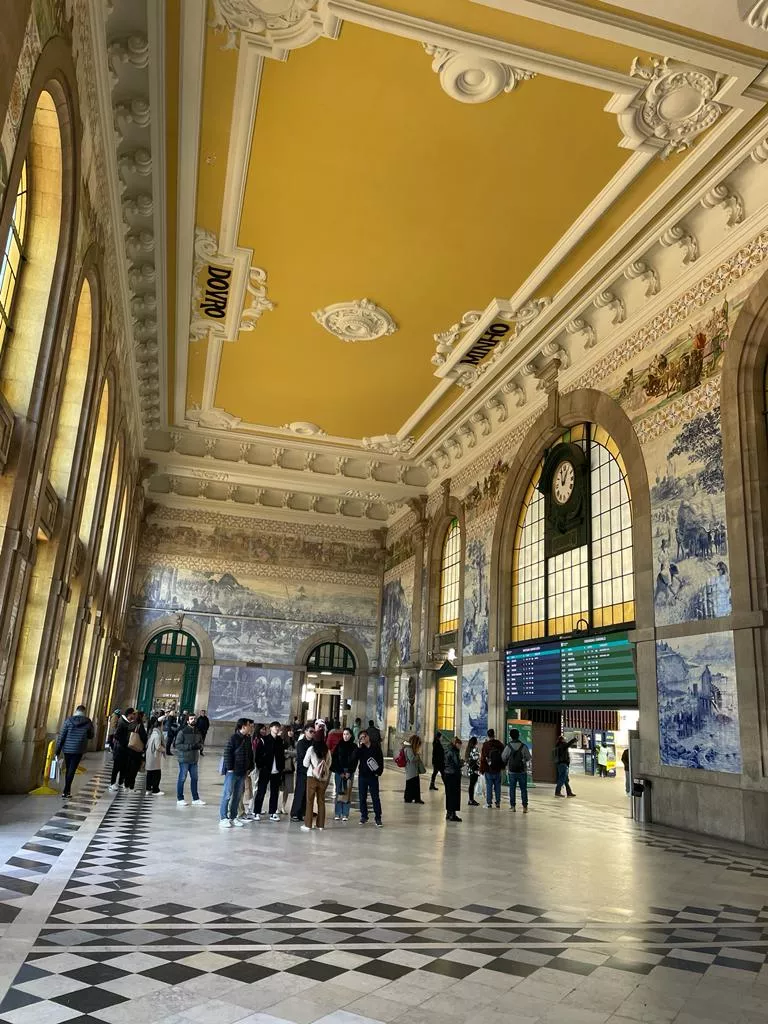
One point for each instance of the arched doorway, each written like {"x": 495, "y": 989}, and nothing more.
{"x": 328, "y": 689}
{"x": 170, "y": 671}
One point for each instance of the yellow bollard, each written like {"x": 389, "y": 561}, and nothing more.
{"x": 80, "y": 770}
{"x": 45, "y": 789}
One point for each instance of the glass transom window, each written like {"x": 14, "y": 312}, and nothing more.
{"x": 591, "y": 586}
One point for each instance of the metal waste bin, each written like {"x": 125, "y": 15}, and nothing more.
{"x": 641, "y": 800}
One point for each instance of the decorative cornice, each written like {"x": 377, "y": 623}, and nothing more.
{"x": 359, "y": 320}
{"x": 756, "y": 15}
{"x": 275, "y": 26}
{"x": 389, "y": 444}
{"x": 470, "y": 78}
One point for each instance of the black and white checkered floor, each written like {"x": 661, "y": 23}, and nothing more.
{"x": 163, "y": 917}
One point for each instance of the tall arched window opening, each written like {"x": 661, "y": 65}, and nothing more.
{"x": 450, "y": 569}
{"x": 590, "y": 584}
{"x": 14, "y": 254}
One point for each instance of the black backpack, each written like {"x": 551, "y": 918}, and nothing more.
{"x": 495, "y": 763}
{"x": 516, "y": 762}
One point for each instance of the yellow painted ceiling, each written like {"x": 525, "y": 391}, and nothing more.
{"x": 366, "y": 180}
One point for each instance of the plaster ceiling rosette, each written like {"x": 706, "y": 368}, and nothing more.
{"x": 360, "y": 320}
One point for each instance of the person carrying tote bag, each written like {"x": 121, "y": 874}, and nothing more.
{"x": 137, "y": 744}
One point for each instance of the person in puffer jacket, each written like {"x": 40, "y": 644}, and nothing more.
{"x": 73, "y": 742}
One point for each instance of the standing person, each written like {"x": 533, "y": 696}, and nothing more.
{"x": 452, "y": 780}
{"x": 356, "y": 728}
{"x": 300, "y": 796}
{"x": 371, "y": 766}
{"x": 374, "y": 734}
{"x": 343, "y": 765}
{"x": 516, "y": 757}
{"x": 473, "y": 764}
{"x": 625, "y": 762}
{"x": 188, "y": 744}
{"x": 289, "y": 771}
{"x": 137, "y": 744}
{"x": 321, "y": 729}
{"x": 491, "y": 764}
{"x": 114, "y": 718}
{"x": 73, "y": 739}
{"x": 317, "y": 762}
{"x": 172, "y": 723}
{"x": 562, "y": 758}
{"x": 203, "y": 723}
{"x": 414, "y": 767}
{"x": 154, "y": 755}
{"x": 602, "y": 761}
{"x": 438, "y": 760}
{"x": 238, "y": 762}
{"x": 270, "y": 760}
{"x": 120, "y": 739}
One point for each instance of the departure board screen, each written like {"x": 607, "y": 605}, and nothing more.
{"x": 591, "y": 669}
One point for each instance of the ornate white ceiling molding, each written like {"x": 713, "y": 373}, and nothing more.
{"x": 678, "y": 234}
{"x": 359, "y": 320}
{"x": 389, "y": 444}
{"x": 721, "y": 195}
{"x": 277, "y": 26}
{"x": 677, "y": 105}
{"x": 213, "y": 419}
{"x": 756, "y": 15}
{"x": 641, "y": 270}
{"x": 302, "y": 428}
{"x": 469, "y": 78}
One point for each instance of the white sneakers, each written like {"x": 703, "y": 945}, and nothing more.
{"x": 182, "y": 803}
{"x": 225, "y": 823}
{"x": 238, "y": 823}
{"x": 305, "y": 828}
{"x": 274, "y": 817}
{"x": 198, "y": 803}
{"x": 257, "y": 817}
{"x": 114, "y": 788}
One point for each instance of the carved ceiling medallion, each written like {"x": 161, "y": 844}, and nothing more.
{"x": 360, "y": 320}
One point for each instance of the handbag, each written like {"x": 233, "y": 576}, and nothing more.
{"x": 135, "y": 744}
{"x": 401, "y": 759}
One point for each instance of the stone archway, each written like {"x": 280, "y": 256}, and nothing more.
{"x": 130, "y": 688}
{"x": 339, "y": 636}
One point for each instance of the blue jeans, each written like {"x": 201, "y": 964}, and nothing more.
{"x": 493, "y": 787}
{"x": 369, "y": 784}
{"x": 184, "y": 770}
{"x": 230, "y": 798}
{"x": 341, "y": 809}
{"x": 518, "y": 779}
{"x": 563, "y": 779}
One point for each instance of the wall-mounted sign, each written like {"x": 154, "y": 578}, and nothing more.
{"x": 215, "y": 292}
{"x": 487, "y": 342}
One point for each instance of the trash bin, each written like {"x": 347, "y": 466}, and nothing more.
{"x": 641, "y": 800}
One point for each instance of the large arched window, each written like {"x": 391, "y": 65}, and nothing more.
{"x": 450, "y": 568}
{"x": 13, "y": 254}
{"x": 592, "y": 584}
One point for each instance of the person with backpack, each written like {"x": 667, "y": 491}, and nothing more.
{"x": 438, "y": 760}
{"x": 516, "y": 757}
{"x": 317, "y": 761}
{"x": 188, "y": 744}
{"x": 73, "y": 743}
{"x": 414, "y": 767}
{"x": 237, "y": 763}
{"x": 473, "y": 767}
{"x": 562, "y": 758}
{"x": 491, "y": 765}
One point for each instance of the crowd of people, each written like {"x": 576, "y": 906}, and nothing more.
{"x": 291, "y": 766}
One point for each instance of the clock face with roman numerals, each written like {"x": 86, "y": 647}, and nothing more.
{"x": 563, "y": 482}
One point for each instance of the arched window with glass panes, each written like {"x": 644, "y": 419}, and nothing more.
{"x": 12, "y": 256}
{"x": 590, "y": 586}
{"x": 450, "y": 568}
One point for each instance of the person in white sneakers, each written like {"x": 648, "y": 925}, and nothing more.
{"x": 238, "y": 761}
{"x": 188, "y": 744}
{"x": 317, "y": 761}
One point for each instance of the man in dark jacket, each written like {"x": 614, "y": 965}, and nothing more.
{"x": 120, "y": 738}
{"x": 270, "y": 760}
{"x": 438, "y": 760}
{"x": 562, "y": 757}
{"x": 73, "y": 742}
{"x": 188, "y": 744}
{"x": 374, "y": 734}
{"x": 491, "y": 765}
{"x": 298, "y": 806}
{"x": 238, "y": 762}
{"x": 371, "y": 763}
{"x": 203, "y": 724}
{"x": 452, "y": 780}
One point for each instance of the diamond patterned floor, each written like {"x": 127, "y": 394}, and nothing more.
{"x": 163, "y": 917}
